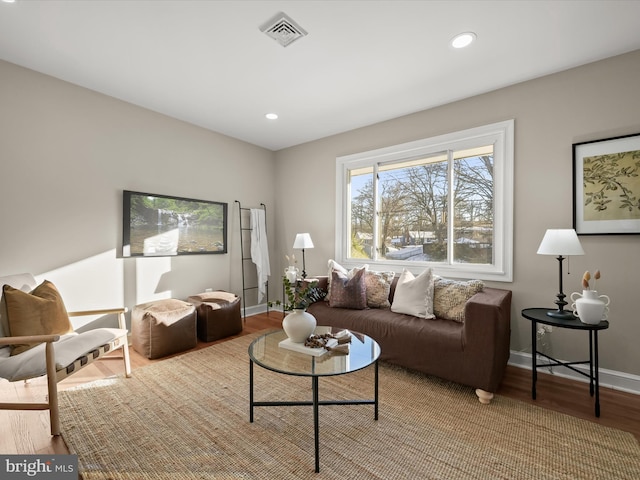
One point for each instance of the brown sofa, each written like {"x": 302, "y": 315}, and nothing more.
{"x": 474, "y": 352}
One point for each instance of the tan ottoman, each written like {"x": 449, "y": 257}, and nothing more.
{"x": 218, "y": 315}
{"x": 163, "y": 327}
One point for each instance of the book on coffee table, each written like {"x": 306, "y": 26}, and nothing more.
{"x": 301, "y": 348}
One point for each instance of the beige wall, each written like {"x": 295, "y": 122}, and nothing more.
{"x": 591, "y": 102}
{"x": 66, "y": 155}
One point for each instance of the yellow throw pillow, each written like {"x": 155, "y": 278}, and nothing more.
{"x": 40, "y": 312}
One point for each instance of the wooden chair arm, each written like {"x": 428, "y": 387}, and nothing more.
{"x": 106, "y": 311}
{"x": 29, "y": 339}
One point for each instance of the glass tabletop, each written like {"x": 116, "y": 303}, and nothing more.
{"x": 363, "y": 351}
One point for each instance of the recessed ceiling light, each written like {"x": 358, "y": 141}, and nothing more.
{"x": 9, "y": 1}
{"x": 463, "y": 40}
{"x": 272, "y": 116}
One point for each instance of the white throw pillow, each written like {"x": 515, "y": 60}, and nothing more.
{"x": 414, "y": 295}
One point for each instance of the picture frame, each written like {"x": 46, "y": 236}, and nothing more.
{"x": 606, "y": 186}
{"x": 164, "y": 225}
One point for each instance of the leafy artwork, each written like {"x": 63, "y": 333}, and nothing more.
{"x": 612, "y": 186}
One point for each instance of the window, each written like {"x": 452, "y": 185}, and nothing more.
{"x": 444, "y": 202}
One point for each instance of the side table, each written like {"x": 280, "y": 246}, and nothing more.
{"x": 539, "y": 315}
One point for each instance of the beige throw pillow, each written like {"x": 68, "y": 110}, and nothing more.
{"x": 451, "y": 296}
{"x": 378, "y": 288}
{"x": 414, "y": 295}
{"x": 41, "y": 312}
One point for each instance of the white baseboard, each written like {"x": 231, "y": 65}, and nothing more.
{"x": 254, "y": 309}
{"x": 262, "y": 308}
{"x": 625, "y": 382}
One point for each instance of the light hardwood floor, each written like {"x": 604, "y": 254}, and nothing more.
{"x": 27, "y": 432}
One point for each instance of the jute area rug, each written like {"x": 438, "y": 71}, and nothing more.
{"x": 188, "y": 418}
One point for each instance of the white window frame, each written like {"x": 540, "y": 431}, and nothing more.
{"x": 501, "y": 135}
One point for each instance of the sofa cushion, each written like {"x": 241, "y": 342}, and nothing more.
{"x": 450, "y": 297}
{"x": 414, "y": 295}
{"x": 348, "y": 292}
{"x": 378, "y": 286}
{"x": 40, "y": 312}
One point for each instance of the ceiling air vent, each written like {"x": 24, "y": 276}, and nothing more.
{"x": 283, "y": 29}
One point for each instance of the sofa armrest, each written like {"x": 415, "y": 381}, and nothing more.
{"x": 487, "y": 330}
{"x": 323, "y": 282}
{"x": 488, "y": 315}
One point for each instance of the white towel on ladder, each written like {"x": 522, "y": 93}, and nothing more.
{"x": 260, "y": 250}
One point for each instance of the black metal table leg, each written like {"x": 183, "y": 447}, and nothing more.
{"x": 534, "y": 354}
{"x": 375, "y": 409}
{"x": 597, "y": 375}
{"x": 251, "y": 391}
{"x": 316, "y": 427}
{"x": 591, "y": 362}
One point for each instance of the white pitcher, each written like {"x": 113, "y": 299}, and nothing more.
{"x": 589, "y": 307}
{"x": 291, "y": 273}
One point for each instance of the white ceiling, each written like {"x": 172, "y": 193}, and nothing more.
{"x": 208, "y": 63}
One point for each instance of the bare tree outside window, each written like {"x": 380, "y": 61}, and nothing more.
{"x": 412, "y": 210}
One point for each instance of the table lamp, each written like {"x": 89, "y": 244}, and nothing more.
{"x": 560, "y": 242}
{"x": 302, "y": 241}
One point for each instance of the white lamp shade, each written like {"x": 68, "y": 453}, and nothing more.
{"x": 303, "y": 240}
{"x": 561, "y": 241}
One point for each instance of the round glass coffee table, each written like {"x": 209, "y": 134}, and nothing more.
{"x": 266, "y": 352}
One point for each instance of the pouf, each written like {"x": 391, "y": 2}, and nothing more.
{"x": 218, "y": 315}
{"x": 163, "y": 327}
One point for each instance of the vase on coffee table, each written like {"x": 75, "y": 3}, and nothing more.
{"x": 299, "y": 325}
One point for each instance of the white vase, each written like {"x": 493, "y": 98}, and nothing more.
{"x": 589, "y": 307}
{"x": 291, "y": 273}
{"x": 299, "y": 325}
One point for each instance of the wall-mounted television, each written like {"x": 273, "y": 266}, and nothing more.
{"x": 161, "y": 225}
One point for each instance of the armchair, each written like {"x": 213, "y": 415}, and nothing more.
{"x": 56, "y": 355}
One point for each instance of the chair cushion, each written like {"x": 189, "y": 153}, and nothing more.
{"x": 70, "y": 347}
{"x": 41, "y": 312}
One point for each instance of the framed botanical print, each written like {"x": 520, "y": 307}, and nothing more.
{"x": 606, "y": 186}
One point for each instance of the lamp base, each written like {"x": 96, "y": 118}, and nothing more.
{"x": 563, "y": 314}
